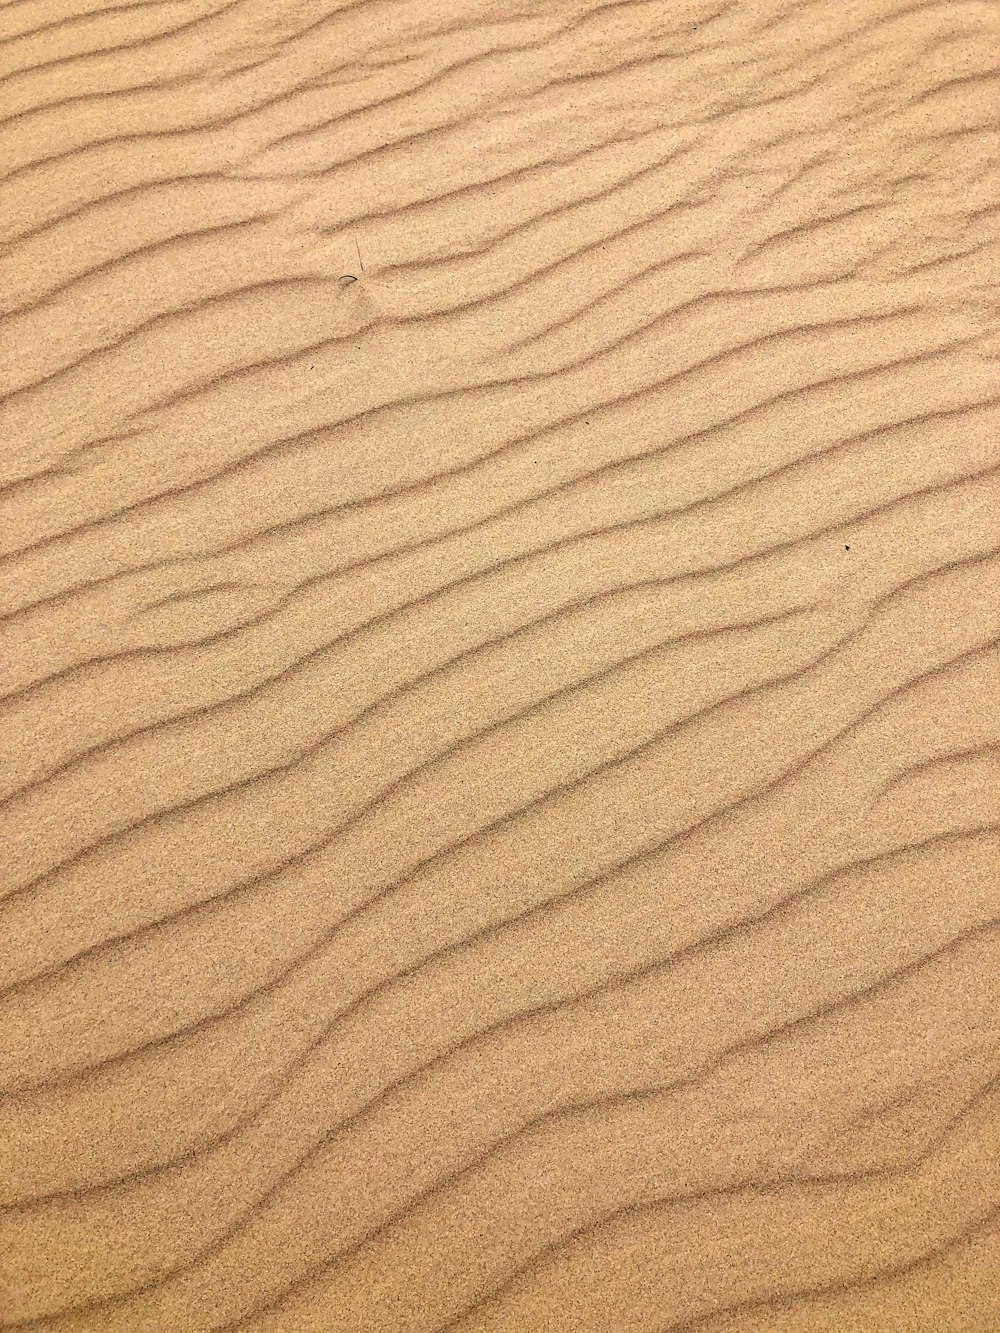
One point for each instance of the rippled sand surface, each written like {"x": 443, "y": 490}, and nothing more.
{"x": 499, "y": 613}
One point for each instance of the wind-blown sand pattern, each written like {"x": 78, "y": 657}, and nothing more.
{"x": 500, "y": 597}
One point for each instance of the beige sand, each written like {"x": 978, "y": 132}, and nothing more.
{"x": 500, "y": 605}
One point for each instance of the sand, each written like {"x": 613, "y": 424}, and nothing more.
{"x": 499, "y": 612}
